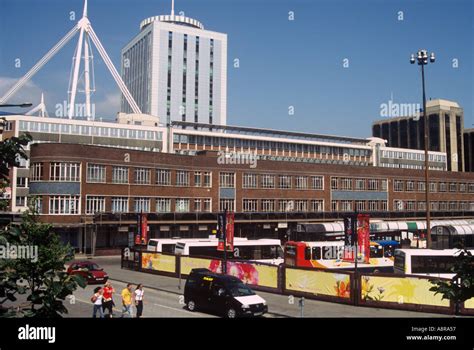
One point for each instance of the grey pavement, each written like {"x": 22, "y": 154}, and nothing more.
{"x": 279, "y": 305}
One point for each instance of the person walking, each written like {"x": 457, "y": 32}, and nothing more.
{"x": 138, "y": 294}
{"x": 108, "y": 303}
{"x": 97, "y": 300}
{"x": 127, "y": 301}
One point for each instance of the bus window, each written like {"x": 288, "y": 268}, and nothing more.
{"x": 167, "y": 248}
{"x": 432, "y": 264}
{"x": 376, "y": 251}
{"x": 399, "y": 263}
{"x": 290, "y": 250}
{"x": 316, "y": 253}
{"x": 307, "y": 253}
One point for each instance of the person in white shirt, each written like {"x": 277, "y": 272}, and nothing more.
{"x": 97, "y": 300}
{"x": 138, "y": 296}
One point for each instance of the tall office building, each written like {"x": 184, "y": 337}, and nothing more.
{"x": 469, "y": 150}
{"x": 176, "y": 70}
{"x": 446, "y": 129}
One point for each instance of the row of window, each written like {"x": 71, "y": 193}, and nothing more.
{"x": 413, "y": 156}
{"x": 399, "y": 205}
{"x": 85, "y": 130}
{"x": 251, "y": 180}
{"x": 411, "y": 186}
{"x": 282, "y": 205}
{"x": 358, "y": 184}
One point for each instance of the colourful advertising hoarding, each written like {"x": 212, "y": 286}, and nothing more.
{"x": 159, "y": 262}
{"x": 318, "y": 282}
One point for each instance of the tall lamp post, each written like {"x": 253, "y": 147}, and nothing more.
{"x": 422, "y": 58}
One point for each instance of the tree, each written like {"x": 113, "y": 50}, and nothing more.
{"x": 42, "y": 278}
{"x": 11, "y": 151}
{"x": 461, "y": 286}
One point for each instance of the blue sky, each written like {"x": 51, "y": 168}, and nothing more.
{"x": 283, "y": 63}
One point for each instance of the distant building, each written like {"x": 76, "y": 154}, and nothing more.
{"x": 446, "y": 126}
{"x": 469, "y": 150}
{"x": 177, "y": 70}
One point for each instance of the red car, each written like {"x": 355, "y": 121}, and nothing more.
{"x": 92, "y": 272}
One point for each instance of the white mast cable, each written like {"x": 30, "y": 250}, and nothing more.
{"x": 123, "y": 88}
{"x": 172, "y": 7}
{"x": 87, "y": 89}
{"x": 75, "y": 75}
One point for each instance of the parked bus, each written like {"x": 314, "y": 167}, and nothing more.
{"x": 426, "y": 262}
{"x": 166, "y": 245}
{"x": 262, "y": 250}
{"x": 329, "y": 255}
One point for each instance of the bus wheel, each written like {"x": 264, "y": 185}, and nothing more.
{"x": 191, "y": 305}
{"x": 231, "y": 313}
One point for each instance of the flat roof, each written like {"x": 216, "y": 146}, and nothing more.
{"x": 271, "y": 132}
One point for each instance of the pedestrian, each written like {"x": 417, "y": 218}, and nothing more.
{"x": 108, "y": 303}
{"x": 97, "y": 300}
{"x": 138, "y": 295}
{"x": 127, "y": 301}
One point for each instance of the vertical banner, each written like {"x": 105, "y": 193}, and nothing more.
{"x": 230, "y": 232}
{"x": 144, "y": 229}
{"x": 138, "y": 235}
{"x": 221, "y": 228}
{"x": 350, "y": 236}
{"x": 363, "y": 237}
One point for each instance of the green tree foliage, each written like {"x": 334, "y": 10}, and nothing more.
{"x": 461, "y": 286}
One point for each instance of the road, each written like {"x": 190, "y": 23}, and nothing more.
{"x": 164, "y": 299}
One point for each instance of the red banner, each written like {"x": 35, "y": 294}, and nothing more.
{"x": 230, "y": 232}
{"x": 363, "y": 237}
{"x": 144, "y": 229}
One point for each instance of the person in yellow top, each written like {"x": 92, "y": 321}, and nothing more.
{"x": 127, "y": 301}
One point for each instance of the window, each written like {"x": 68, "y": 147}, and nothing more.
{"x": 142, "y": 205}
{"x": 317, "y": 205}
{"x": 398, "y": 185}
{"x": 421, "y": 186}
{"x": 163, "y": 177}
{"x": 182, "y": 178}
{"x": 95, "y": 173}
{"x": 421, "y": 206}
{"x": 267, "y": 205}
{"x": 38, "y": 205}
{"x": 360, "y": 205}
{"x": 21, "y": 182}
{"x": 372, "y": 184}
{"x": 163, "y": 205}
{"x": 453, "y": 187}
{"x": 301, "y": 182}
{"x": 268, "y": 181}
{"x": 410, "y": 206}
{"x": 182, "y": 205}
{"x": 228, "y": 204}
{"x": 373, "y": 206}
{"x": 36, "y": 172}
{"x": 249, "y": 181}
{"x": 442, "y": 187}
{"x": 346, "y": 184}
{"x": 317, "y": 182}
{"x": 207, "y": 205}
{"x": 334, "y": 205}
{"x": 142, "y": 176}
{"x": 20, "y": 201}
{"x": 250, "y": 205}
{"x": 301, "y": 205}
{"x": 68, "y": 205}
{"x": 284, "y": 181}
{"x": 410, "y": 186}
{"x": 360, "y": 184}
{"x": 95, "y": 204}
{"x": 334, "y": 183}
{"x": 198, "y": 179}
{"x": 119, "y": 205}
{"x": 198, "y": 205}
{"x": 433, "y": 187}
{"x": 207, "y": 179}
{"x": 119, "y": 175}
{"x": 398, "y": 205}
{"x": 346, "y": 205}
{"x": 383, "y": 183}
{"x": 64, "y": 171}
{"x": 226, "y": 180}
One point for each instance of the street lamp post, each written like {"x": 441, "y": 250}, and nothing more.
{"x": 422, "y": 59}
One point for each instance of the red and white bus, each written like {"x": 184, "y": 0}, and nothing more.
{"x": 329, "y": 254}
